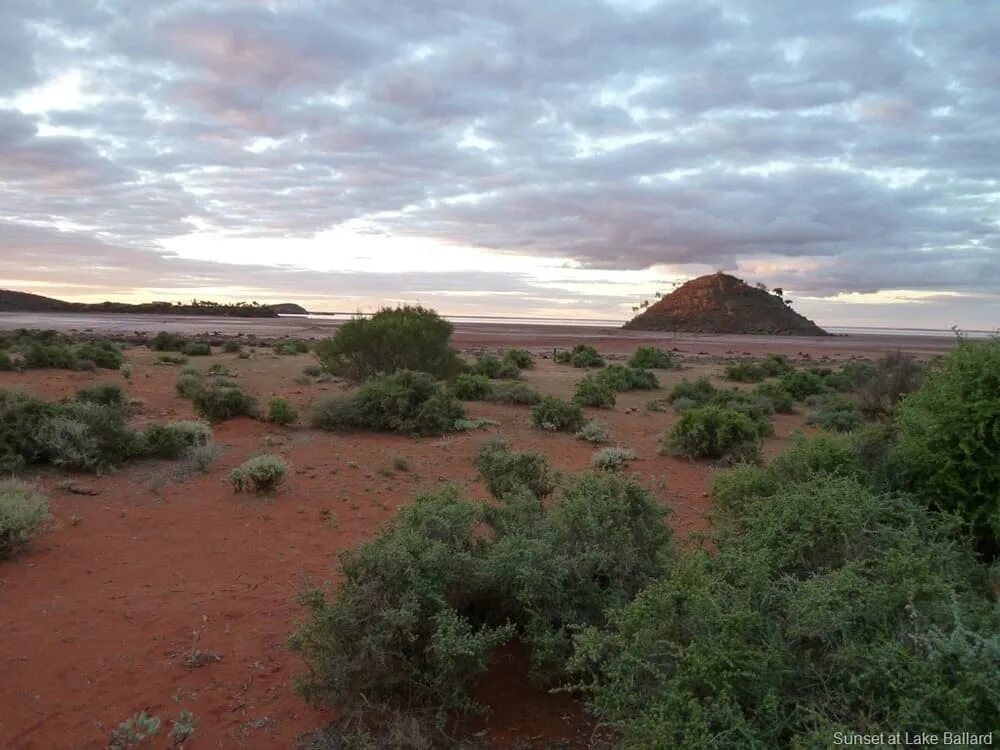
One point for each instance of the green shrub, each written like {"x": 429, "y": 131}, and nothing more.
{"x": 337, "y": 412}
{"x": 218, "y": 402}
{"x": 291, "y": 348}
{"x": 505, "y": 471}
{"x": 758, "y": 409}
{"x": 732, "y": 490}
{"x": 604, "y": 540}
{"x": 557, "y": 415}
{"x": 621, "y": 378}
{"x": 585, "y": 356}
{"x": 402, "y": 630}
{"x": 775, "y": 365}
{"x": 521, "y": 358}
{"x": 263, "y": 473}
{"x": 231, "y": 347}
{"x": 104, "y": 354}
{"x": 801, "y": 384}
{"x": 745, "y": 372}
{"x": 189, "y": 385}
{"x": 949, "y": 441}
{"x": 593, "y": 432}
{"x": 49, "y": 356}
{"x": 109, "y": 394}
{"x": 836, "y": 414}
{"x": 895, "y": 376}
{"x": 513, "y": 393}
{"x": 612, "y": 459}
{"x": 829, "y": 608}
{"x": 493, "y": 367}
{"x": 407, "y": 401}
{"x": 652, "y": 358}
{"x": 715, "y": 432}
{"x": 313, "y": 371}
{"x": 168, "y": 342}
{"x": 780, "y": 399}
{"x": 591, "y": 391}
{"x": 176, "y": 439}
{"x": 23, "y": 510}
{"x": 561, "y": 356}
{"x": 404, "y": 338}
{"x": 197, "y": 349}
{"x": 279, "y": 411}
{"x": 698, "y": 392}
{"x": 471, "y": 387}
{"x": 88, "y": 437}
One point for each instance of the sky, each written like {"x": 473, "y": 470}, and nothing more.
{"x": 565, "y": 159}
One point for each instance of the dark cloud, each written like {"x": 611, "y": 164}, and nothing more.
{"x": 845, "y": 146}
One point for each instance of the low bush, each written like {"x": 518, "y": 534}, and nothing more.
{"x": 6, "y": 363}
{"x": 291, "y": 348}
{"x": 829, "y": 608}
{"x": 168, "y": 342}
{"x": 108, "y": 394}
{"x": 279, "y": 411}
{"x": 218, "y": 402}
{"x": 585, "y": 356}
{"x": 652, "y": 358}
{"x": 696, "y": 392}
{"x": 23, "y": 511}
{"x": 176, "y": 439}
{"x": 715, "y": 432}
{"x": 231, "y": 347}
{"x": 802, "y": 384}
{"x": 423, "y": 604}
{"x": 949, "y": 439}
{"x": 521, "y": 358}
{"x": 407, "y": 401}
{"x": 188, "y": 385}
{"x": 197, "y": 349}
{"x": 88, "y": 437}
{"x": 313, "y": 371}
{"x": 471, "y": 387}
{"x": 745, "y": 372}
{"x": 104, "y": 354}
{"x": 780, "y": 399}
{"x": 775, "y": 365}
{"x": 513, "y": 393}
{"x": 592, "y": 391}
{"x": 894, "y": 377}
{"x": 612, "y": 459}
{"x": 493, "y": 367}
{"x": 557, "y": 415}
{"x": 836, "y": 414}
{"x": 403, "y": 338}
{"x": 622, "y": 378}
{"x": 172, "y": 359}
{"x": 49, "y": 356}
{"x": 263, "y": 473}
{"x": 505, "y": 471}
{"x": 593, "y": 432}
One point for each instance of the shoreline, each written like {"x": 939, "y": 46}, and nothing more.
{"x": 537, "y": 337}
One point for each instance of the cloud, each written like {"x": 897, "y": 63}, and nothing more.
{"x": 837, "y": 146}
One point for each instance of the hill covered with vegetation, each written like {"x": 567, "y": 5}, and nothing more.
{"x": 13, "y": 301}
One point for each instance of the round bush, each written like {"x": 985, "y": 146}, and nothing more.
{"x": 471, "y": 387}
{"x": 262, "y": 473}
{"x": 698, "y": 391}
{"x": 802, "y": 384}
{"x": 513, "y": 393}
{"x": 219, "y": 402}
{"x": 653, "y": 358}
{"x": 279, "y": 411}
{"x": 403, "y": 338}
{"x": 521, "y": 358}
{"x": 557, "y": 415}
{"x": 23, "y": 510}
{"x": 592, "y": 391}
{"x": 715, "y": 432}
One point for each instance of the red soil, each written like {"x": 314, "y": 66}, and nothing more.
{"x": 106, "y": 607}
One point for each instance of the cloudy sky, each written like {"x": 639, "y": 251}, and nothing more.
{"x": 505, "y": 157}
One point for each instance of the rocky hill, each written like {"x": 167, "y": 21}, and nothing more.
{"x": 720, "y": 303}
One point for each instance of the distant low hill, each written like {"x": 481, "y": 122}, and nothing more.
{"x": 720, "y": 303}
{"x": 11, "y": 301}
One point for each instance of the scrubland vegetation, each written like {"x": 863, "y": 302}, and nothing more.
{"x": 849, "y": 583}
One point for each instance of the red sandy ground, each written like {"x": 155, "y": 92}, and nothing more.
{"x": 102, "y": 612}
